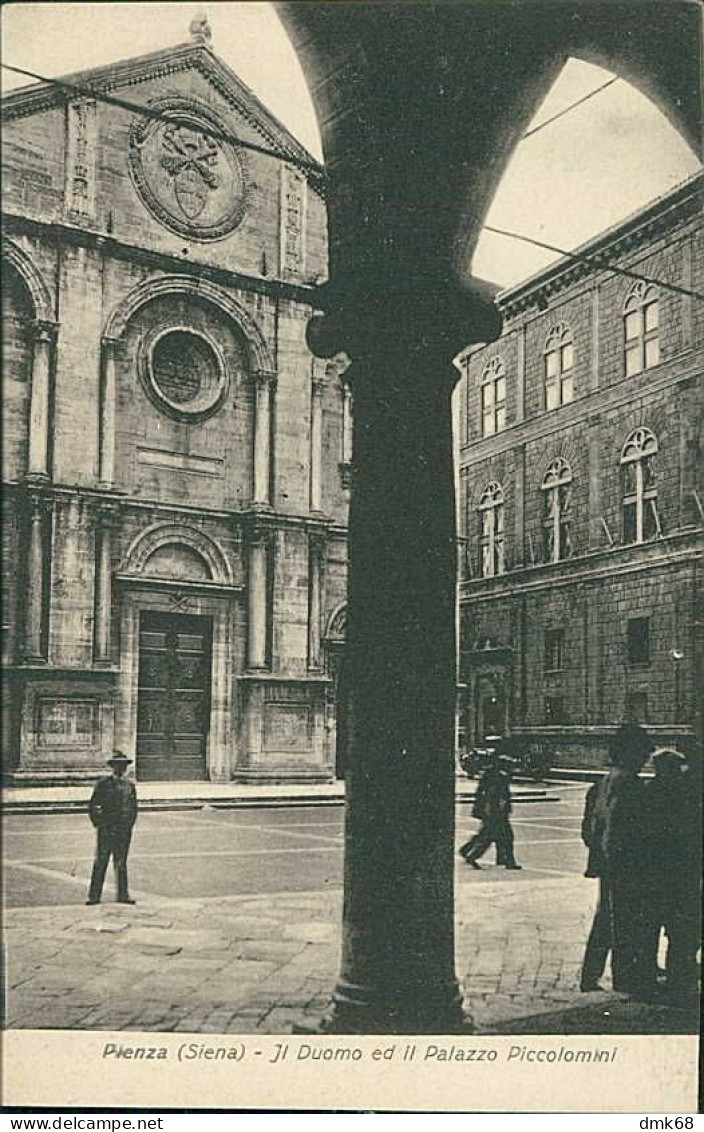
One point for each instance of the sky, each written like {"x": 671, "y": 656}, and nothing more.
{"x": 566, "y": 183}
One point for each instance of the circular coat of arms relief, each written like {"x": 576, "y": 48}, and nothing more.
{"x": 192, "y": 182}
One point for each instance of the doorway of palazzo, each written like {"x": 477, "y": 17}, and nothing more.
{"x": 173, "y": 705}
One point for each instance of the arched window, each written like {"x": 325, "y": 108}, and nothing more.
{"x": 559, "y": 367}
{"x": 638, "y": 489}
{"x": 491, "y": 531}
{"x": 493, "y": 395}
{"x": 641, "y": 328}
{"x": 557, "y": 511}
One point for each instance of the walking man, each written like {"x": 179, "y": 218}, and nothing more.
{"x": 113, "y": 812}
{"x": 492, "y": 806}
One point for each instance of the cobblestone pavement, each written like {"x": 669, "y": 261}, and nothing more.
{"x": 260, "y": 964}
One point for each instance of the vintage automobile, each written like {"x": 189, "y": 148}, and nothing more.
{"x": 528, "y": 762}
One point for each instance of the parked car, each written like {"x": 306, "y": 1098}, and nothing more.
{"x": 530, "y": 762}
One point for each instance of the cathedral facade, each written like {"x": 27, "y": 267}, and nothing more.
{"x": 176, "y": 462}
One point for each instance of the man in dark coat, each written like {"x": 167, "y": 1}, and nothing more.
{"x": 492, "y": 806}
{"x": 113, "y": 812}
{"x": 617, "y": 848}
{"x": 673, "y": 801}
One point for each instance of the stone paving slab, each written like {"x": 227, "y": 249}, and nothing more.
{"x": 263, "y": 963}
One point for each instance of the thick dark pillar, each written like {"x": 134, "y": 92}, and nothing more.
{"x": 397, "y": 973}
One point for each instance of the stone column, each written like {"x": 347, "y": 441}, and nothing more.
{"x": 106, "y": 443}
{"x": 38, "y": 453}
{"x": 264, "y": 386}
{"x": 316, "y": 555}
{"x": 257, "y": 571}
{"x": 397, "y": 972}
{"x": 316, "y": 442}
{"x": 38, "y": 508}
{"x": 102, "y": 625}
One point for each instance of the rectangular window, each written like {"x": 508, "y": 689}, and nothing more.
{"x": 638, "y": 640}
{"x": 632, "y": 325}
{"x": 634, "y": 363}
{"x": 552, "y": 396}
{"x": 652, "y": 352}
{"x": 554, "y": 710}
{"x": 636, "y": 707}
{"x": 650, "y": 313}
{"x": 554, "y": 649}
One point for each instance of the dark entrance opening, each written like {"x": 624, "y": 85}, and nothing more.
{"x": 173, "y": 708}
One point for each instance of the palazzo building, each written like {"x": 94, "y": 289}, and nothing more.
{"x": 581, "y": 498}
{"x": 176, "y": 462}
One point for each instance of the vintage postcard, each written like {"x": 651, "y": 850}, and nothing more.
{"x": 352, "y": 734}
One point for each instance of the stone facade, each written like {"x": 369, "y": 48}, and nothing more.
{"x": 546, "y": 648}
{"x": 175, "y": 459}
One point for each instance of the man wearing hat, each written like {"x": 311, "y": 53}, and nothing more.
{"x": 113, "y": 812}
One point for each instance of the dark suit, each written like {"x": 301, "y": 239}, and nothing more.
{"x": 492, "y": 806}
{"x": 113, "y": 812}
{"x": 673, "y": 876}
{"x": 617, "y": 847}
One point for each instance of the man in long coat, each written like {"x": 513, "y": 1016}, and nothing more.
{"x": 113, "y": 812}
{"x": 618, "y": 842}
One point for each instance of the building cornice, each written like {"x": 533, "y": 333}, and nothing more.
{"x": 668, "y": 212}
{"x": 681, "y": 549}
{"x": 686, "y": 367}
{"x": 240, "y": 515}
{"x": 59, "y": 232}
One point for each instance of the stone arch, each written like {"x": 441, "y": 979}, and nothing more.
{"x": 32, "y": 278}
{"x": 259, "y": 354}
{"x": 160, "y": 535}
{"x": 337, "y": 623}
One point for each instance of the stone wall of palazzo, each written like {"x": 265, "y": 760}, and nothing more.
{"x": 175, "y": 531}
{"x": 586, "y": 615}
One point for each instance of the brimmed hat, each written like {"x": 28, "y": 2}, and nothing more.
{"x": 118, "y": 759}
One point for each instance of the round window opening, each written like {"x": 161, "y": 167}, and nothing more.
{"x": 186, "y": 374}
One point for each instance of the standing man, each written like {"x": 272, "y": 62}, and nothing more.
{"x": 492, "y": 806}
{"x": 672, "y": 801}
{"x": 113, "y": 812}
{"x": 618, "y": 843}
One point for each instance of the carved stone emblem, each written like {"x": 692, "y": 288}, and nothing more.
{"x": 192, "y": 182}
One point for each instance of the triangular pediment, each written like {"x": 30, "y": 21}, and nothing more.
{"x": 117, "y": 78}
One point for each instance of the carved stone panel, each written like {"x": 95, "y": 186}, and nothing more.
{"x": 194, "y": 183}
{"x": 293, "y": 222}
{"x": 63, "y": 722}
{"x": 81, "y": 127}
{"x": 287, "y": 728}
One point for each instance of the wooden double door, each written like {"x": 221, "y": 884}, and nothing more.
{"x": 173, "y": 707}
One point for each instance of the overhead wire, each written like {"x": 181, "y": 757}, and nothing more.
{"x": 222, "y": 135}
{"x": 597, "y": 261}
{"x": 567, "y": 109}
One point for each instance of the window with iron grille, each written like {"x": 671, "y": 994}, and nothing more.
{"x": 554, "y": 650}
